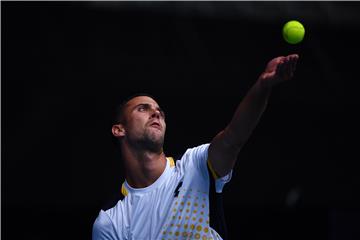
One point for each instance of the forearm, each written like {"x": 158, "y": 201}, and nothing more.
{"x": 247, "y": 115}
{"x": 226, "y": 146}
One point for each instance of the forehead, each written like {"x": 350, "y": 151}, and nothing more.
{"x": 141, "y": 100}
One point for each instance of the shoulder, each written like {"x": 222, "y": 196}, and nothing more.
{"x": 103, "y": 220}
{"x": 199, "y": 151}
{"x": 103, "y": 227}
{"x": 194, "y": 160}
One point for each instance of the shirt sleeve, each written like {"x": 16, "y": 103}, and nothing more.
{"x": 220, "y": 182}
{"x": 103, "y": 228}
{"x": 196, "y": 159}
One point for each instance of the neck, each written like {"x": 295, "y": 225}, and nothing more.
{"x": 143, "y": 167}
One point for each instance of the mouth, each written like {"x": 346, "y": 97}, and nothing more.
{"x": 156, "y": 125}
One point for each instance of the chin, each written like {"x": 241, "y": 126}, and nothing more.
{"x": 156, "y": 136}
{"x": 159, "y": 143}
{"x": 154, "y": 144}
{"x": 155, "y": 147}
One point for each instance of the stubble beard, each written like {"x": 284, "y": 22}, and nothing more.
{"x": 149, "y": 141}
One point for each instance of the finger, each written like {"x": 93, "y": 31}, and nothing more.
{"x": 294, "y": 58}
{"x": 282, "y": 70}
{"x": 293, "y": 65}
{"x": 287, "y": 70}
{"x": 290, "y": 71}
{"x": 289, "y": 64}
{"x": 276, "y": 63}
{"x": 286, "y": 67}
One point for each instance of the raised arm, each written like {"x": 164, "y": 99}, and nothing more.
{"x": 225, "y": 147}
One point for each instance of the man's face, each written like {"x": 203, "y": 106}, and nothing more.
{"x": 144, "y": 123}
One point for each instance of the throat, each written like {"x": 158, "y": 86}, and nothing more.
{"x": 145, "y": 172}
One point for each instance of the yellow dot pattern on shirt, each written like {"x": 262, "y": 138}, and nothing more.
{"x": 188, "y": 219}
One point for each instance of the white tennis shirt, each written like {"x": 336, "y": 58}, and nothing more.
{"x": 175, "y": 206}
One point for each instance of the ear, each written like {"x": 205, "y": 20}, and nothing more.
{"x": 118, "y": 130}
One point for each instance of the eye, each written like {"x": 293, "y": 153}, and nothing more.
{"x": 141, "y": 108}
{"x": 162, "y": 113}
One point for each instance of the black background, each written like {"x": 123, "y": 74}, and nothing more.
{"x": 66, "y": 65}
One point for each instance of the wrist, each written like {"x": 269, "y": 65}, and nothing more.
{"x": 264, "y": 85}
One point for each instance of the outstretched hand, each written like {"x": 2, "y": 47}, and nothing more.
{"x": 279, "y": 69}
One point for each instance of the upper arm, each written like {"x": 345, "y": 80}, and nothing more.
{"x": 223, "y": 153}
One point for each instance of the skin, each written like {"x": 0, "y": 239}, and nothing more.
{"x": 142, "y": 141}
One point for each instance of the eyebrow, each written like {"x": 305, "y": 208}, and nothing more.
{"x": 147, "y": 105}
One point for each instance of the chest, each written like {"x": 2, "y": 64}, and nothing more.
{"x": 176, "y": 209}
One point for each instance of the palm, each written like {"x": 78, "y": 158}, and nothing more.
{"x": 279, "y": 69}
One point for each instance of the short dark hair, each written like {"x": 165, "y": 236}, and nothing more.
{"x": 119, "y": 111}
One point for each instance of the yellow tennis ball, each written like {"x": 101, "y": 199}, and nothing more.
{"x": 293, "y": 32}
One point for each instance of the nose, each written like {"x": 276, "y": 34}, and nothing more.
{"x": 155, "y": 113}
